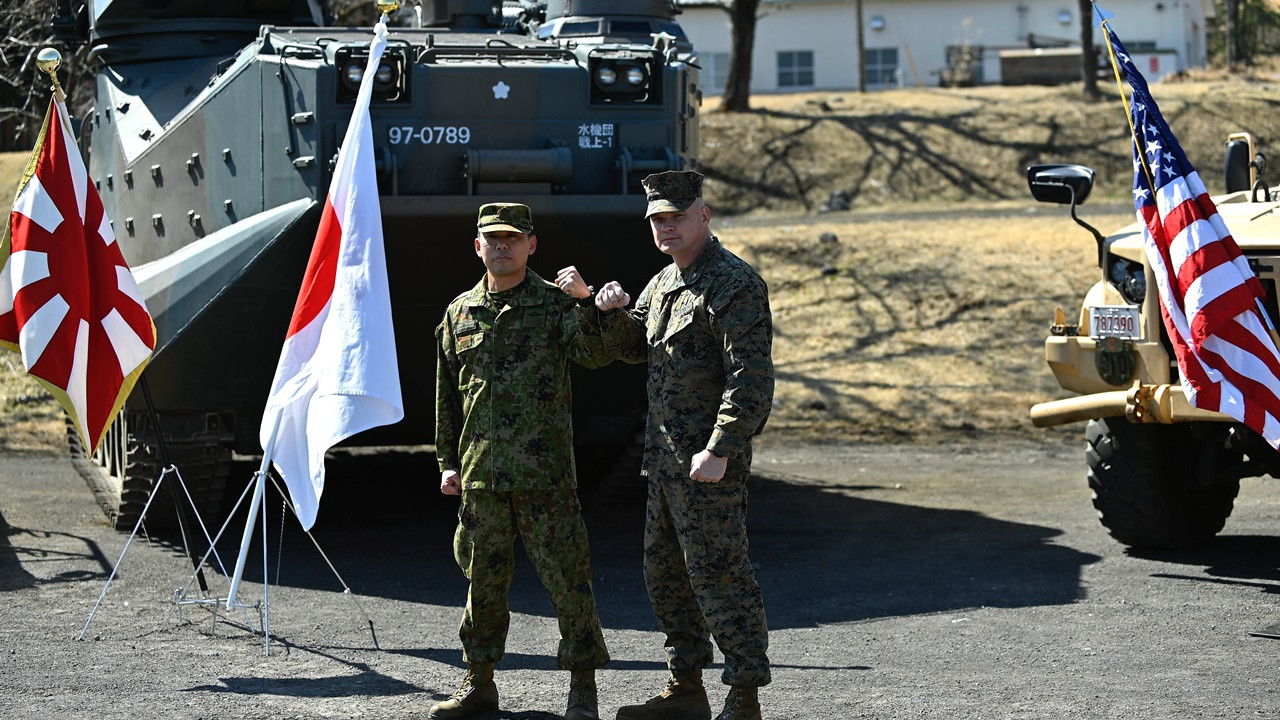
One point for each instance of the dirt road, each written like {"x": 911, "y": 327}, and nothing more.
{"x": 901, "y": 582}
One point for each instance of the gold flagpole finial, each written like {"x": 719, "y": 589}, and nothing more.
{"x": 48, "y": 61}
{"x": 386, "y": 7}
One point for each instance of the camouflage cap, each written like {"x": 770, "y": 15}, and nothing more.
{"x": 511, "y": 217}
{"x": 672, "y": 191}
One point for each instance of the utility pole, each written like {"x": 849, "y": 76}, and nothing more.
{"x": 860, "y": 48}
{"x": 1229, "y": 6}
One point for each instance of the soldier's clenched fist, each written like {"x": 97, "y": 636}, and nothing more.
{"x": 450, "y": 482}
{"x": 612, "y": 296}
{"x": 570, "y": 281}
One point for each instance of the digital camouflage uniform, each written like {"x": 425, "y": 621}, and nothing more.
{"x": 706, "y": 332}
{"x": 503, "y": 410}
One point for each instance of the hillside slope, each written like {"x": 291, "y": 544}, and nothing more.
{"x": 922, "y": 146}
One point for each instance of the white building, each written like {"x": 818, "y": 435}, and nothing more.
{"x": 812, "y": 44}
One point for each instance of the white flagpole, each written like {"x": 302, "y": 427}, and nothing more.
{"x": 258, "y": 500}
{"x": 266, "y": 579}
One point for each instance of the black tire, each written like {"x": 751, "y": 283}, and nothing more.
{"x": 1236, "y": 173}
{"x": 1160, "y": 486}
{"x": 137, "y": 471}
{"x": 127, "y": 465}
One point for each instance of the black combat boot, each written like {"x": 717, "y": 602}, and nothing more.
{"x": 584, "y": 703}
{"x": 478, "y": 694}
{"x": 742, "y": 703}
{"x": 684, "y": 698}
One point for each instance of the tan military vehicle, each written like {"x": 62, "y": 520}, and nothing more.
{"x": 1164, "y": 474}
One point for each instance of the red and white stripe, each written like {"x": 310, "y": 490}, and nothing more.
{"x": 68, "y": 301}
{"x": 1209, "y": 302}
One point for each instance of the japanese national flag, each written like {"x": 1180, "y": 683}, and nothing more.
{"x": 68, "y": 301}
{"x": 337, "y": 373}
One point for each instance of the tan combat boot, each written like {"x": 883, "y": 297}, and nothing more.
{"x": 684, "y": 698}
{"x": 742, "y": 703}
{"x": 584, "y": 703}
{"x": 478, "y": 694}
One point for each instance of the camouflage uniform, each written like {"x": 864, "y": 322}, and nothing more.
{"x": 503, "y": 419}
{"x": 706, "y": 332}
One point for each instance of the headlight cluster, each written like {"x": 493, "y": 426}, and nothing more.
{"x": 607, "y": 75}
{"x": 354, "y": 72}
{"x": 621, "y": 79}
{"x": 389, "y": 83}
{"x": 1130, "y": 278}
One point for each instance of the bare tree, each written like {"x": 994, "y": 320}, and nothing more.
{"x": 737, "y": 86}
{"x": 1244, "y": 32}
{"x": 1088, "y": 59}
{"x": 24, "y": 90}
{"x": 1230, "y": 16}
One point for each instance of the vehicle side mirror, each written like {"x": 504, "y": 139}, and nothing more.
{"x": 1060, "y": 183}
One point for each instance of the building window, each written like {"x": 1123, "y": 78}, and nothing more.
{"x": 716, "y": 70}
{"x": 882, "y": 67}
{"x": 795, "y": 68}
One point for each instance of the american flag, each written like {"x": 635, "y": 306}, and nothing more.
{"x": 1209, "y": 297}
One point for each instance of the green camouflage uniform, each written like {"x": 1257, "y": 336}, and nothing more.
{"x": 707, "y": 333}
{"x": 503, "y": 409}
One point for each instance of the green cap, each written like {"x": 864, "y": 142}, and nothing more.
{"x": 672, "y": 191}
{"x": 511, "y": 217}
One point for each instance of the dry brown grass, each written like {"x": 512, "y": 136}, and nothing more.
{"x": 931, "y": 145}
{"x": 11, "y": 167}
{"x": 916, "y": 329}
{"x": 29, "y": 419}
{"x": 924, "y": 320}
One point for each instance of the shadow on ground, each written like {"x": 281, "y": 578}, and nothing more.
{"x": 22, "y": 547}
{"x": 823, "y": 553}
{"x": 1247, "y": 560}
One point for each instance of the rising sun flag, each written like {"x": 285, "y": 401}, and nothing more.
{"x": 68, "y": 301}
{"x": 1210, "y": 300}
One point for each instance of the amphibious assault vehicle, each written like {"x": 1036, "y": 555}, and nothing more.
{"x": 212, "y": 141}
{"x": 1164, "y": 473}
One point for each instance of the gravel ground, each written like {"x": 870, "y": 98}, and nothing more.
{"x": 958, "y": 581}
